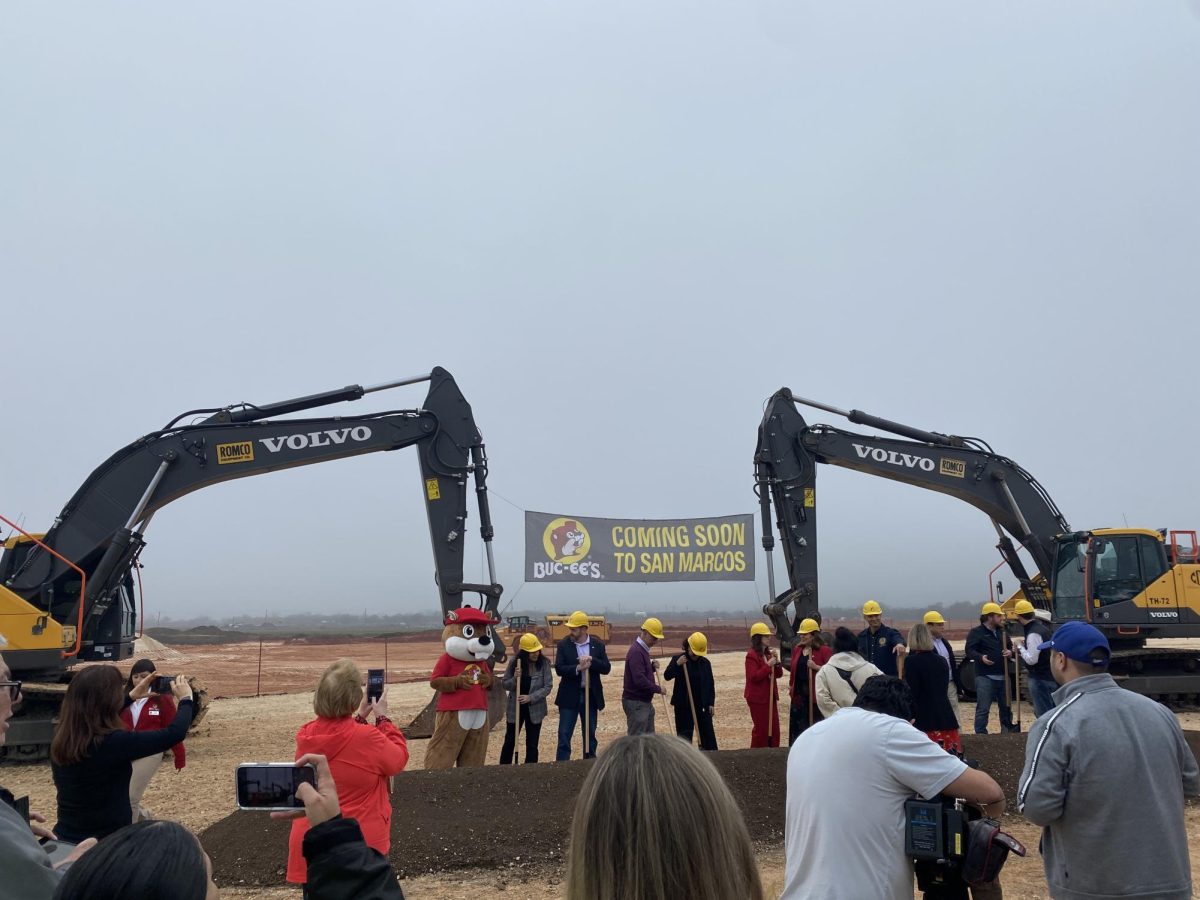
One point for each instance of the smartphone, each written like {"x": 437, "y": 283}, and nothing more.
{"x": 374, "y": 684}
{"x": 272, "y": 786}
{"x": 162, "y": 684}
{"x": 21, "y": 805}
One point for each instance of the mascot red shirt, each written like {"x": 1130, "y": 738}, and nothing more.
{"x": 462, "y": 677}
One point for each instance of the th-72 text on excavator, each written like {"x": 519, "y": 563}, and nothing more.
{"x": 68, "y": 595}
{"x": 1137, "y": 585}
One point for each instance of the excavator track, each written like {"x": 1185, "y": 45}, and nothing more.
{"x": 1170, "y": 675}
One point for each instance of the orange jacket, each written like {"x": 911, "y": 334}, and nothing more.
{"x": 362, "y": 758}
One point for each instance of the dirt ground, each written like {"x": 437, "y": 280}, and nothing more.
{"x": 249, "y": 852}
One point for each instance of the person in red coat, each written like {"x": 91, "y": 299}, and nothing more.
{"x": 808, "y": 655}
{"x": 763, "y": 670}
{"x": 148, "y": 714}
{"x": 362, "y": 757}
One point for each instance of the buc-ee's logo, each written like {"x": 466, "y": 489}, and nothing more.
{"x": 566, "y": 542}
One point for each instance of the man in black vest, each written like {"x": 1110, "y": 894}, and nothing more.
{"x": 1035, "y": 653}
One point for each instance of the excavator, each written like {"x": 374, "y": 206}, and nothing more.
{"x": 68, "y": 595}
{"x": 1138, "y": 585}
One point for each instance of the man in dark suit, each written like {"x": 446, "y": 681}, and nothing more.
{"x": 578, "y": 654}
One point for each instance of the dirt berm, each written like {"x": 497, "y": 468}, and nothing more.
{"x": 481, "y": 818}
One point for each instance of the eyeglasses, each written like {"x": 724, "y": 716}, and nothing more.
{"x": 14, "y": 688}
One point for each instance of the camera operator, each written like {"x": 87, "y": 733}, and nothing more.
{"x": 847, "y": 782}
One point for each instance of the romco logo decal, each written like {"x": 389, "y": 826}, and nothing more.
{"x": 566, "y": 542}
{"x": 330, "y": 438}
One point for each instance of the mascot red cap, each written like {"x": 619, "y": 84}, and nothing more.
{"x": 469, "y": 615}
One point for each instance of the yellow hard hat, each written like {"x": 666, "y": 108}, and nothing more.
{"x": 759, "y": 628}
{"x": 992, "y": 608}
{"x": 871, "y": 608}
{"x": 653, "y": 626}
{"x": 530, "y": 643}
{"x": 578, "y": 619}
{"x": 808, "y": 626}
{"x": 1023, "y": 608}
{"x": 933, "y": 617}
{"x": 698, "y": 644}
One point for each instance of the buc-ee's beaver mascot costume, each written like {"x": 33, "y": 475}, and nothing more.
{"x": 462, "y": 678}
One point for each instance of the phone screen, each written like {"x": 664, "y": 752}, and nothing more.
{"x": 374, "y": 683}
{"x": 162, "y": 684}
{"x": 272, "y": 785}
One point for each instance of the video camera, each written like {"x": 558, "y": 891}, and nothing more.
{"x": 953, "y": 847}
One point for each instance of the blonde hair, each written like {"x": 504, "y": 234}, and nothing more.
{"x": 655, "y": 821}
{"x": 920, "y": 638}
{"x": 339, "y": 692}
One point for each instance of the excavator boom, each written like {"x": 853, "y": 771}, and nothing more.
{"x": 1132, "y": 583}
{"x": 100, "y": 531}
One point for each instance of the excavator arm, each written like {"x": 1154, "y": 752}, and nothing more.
{"x": 101, "y": 529}
{"x": 786, "y": 459}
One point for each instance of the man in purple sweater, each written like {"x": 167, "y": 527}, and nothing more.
{"x": 641, "y": 684}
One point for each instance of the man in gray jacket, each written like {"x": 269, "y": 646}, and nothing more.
{"x": 1105, "y": 774}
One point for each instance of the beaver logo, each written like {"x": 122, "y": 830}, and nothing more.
{"x": 566, "y": 540}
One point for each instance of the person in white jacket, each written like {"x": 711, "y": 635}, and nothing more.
{"x": 838, "y": 683}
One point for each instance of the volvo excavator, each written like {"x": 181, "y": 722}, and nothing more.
{"x": 68, "y": 595}
{"x": 1138, "y": 585}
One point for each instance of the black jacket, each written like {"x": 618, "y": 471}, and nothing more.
{"x": 926, "y": 674}
{"x": 981, "y": 642}
{"x": 570, "y": 685}
{"x": 954, "y": 675}
{"x": 700, "y": 674}
{"x": 879, "y": 648}
{"x": 342, "y": 867}
{"x": 93, "y": 795}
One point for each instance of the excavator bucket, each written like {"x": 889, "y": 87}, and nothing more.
{"x": 199, "y": 700}
{"x": 422, "y": 724}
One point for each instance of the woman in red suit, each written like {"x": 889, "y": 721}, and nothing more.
{"x": 763, "y": 670}
{"x": 148, "y": 714}
{"x": 362, "y": 757}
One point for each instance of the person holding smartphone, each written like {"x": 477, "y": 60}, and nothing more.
{"x": 92, "y": 754}
{"x": 149, "y": 713}
{"x": 362, "y": 757}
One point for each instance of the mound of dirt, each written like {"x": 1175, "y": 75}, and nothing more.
{"x": 443, "y": 819}
{"x": 148, "y": 647}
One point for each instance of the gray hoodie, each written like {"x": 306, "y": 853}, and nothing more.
{"x": 24, "y": 864}
{"x": 1105, "y": 774}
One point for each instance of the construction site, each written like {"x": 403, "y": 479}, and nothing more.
{"x": 430, "y": 335}
{"x": 454, "y": 832}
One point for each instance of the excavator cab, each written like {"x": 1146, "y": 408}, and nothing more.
{"x": 1113, "y": 577}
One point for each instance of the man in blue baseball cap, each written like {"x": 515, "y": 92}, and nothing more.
{"x": 1082, "y": 643}
{"x": 1106, "y": 772}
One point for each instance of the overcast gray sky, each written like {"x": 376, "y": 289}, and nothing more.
{"x": 621, "y": 226}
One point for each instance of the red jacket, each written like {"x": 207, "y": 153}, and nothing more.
{"x": 362, "y": 758}
{"x": 159, "y": 712}
{"x": 759, "y": 683}
{"x": 800, "y": 671}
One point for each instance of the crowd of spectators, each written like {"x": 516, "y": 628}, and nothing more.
{"x": 654, "y": 820}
